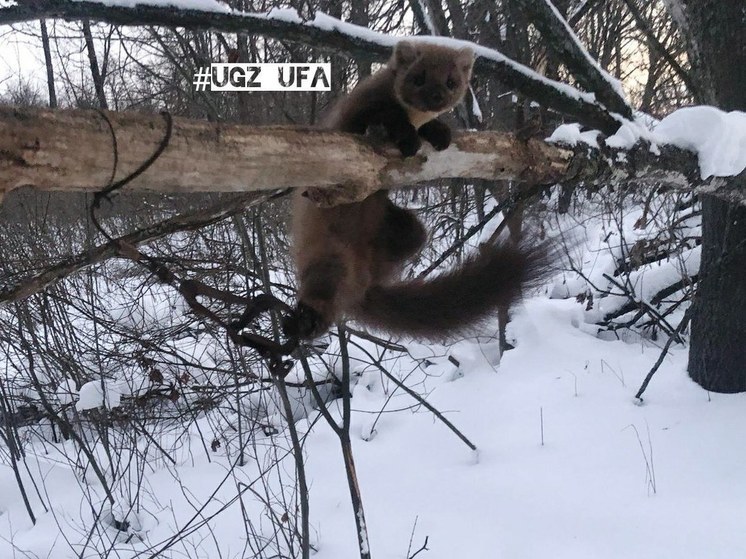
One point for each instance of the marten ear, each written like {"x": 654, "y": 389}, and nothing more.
{"x": 465, "y": 61}
{"x": 405, "y": 53}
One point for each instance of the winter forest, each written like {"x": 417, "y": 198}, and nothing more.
{"x": 158, "y": 395}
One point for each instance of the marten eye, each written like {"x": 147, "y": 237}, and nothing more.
{"x": 419, "y": 79}
{"x": 451, "y": 83}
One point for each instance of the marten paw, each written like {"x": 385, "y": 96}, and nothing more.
{"x": 305, "y": 323}
{"x": 409, "y": 145}
{"x": 441, "y": 141}
{"x": 436, "y": 133}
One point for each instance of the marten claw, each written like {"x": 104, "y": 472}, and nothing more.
{"x": 440, "y": 143}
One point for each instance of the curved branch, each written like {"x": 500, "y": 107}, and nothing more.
{"x": 183, "y": 222}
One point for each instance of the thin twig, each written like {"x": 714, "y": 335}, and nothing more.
{"x": 420, "y": 399}
{"x": 675, "y": 335}
{"x": 349, "y": 459}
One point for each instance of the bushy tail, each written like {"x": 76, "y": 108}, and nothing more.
{"x": 459, "y": 299}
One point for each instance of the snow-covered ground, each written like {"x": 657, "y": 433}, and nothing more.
{"x": 612, "y": 479}
{"x": 568, "y": 464}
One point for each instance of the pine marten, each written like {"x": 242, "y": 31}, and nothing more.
{"x": 348, "y": 257}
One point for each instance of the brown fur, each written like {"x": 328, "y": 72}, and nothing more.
{"x": 349, "y": 257}
{"x": 457, "y": 300}
{"x": 419, "y": 83}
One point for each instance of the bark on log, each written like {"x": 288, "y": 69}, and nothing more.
{"x": 73, "y": 150}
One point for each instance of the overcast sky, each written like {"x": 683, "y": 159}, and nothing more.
{"x": 21, "y": 57}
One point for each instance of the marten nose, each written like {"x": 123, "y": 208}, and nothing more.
{"x": 437, "y": 97}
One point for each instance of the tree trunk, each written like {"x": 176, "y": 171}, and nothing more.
{"x": 717, "y": 357}
{"x": 73, "y": 150}
{"x": 48, "y": 64}
{"x": 359, "y": 16}
{"x": 96, "y": 74}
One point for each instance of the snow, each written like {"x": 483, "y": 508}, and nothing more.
{"x": 475, "y": 109}
{"x": 718, "y": 137}
{"x": 201, "y": 5}
{"x": 95, "y": 395}
{"x": 576, "y": 10}
{"x": 568, "y": 465}
{"x": 628, "y": 135}
{"x": 585, "y": 493}
{"x": 91, "y": 396}
{"x": 570, "y": 134}
{"x": 66, "y": 392}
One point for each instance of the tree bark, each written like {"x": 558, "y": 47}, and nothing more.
{"x": 96, "y": 74}
{"x": 717, "y": 356}
{"x": 48, "y": 64}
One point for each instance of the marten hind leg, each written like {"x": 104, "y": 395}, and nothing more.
{"x": 401, "y": 235}
{"x": 318, "y": 297}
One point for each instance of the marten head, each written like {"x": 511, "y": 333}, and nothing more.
{"x": 430, "y": 78}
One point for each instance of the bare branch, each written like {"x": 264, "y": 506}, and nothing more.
{"x": 184, "y": 222}
{"x": 643, "y": 26}
{"x": 675, "y": 335}
{"x": 586, "y": 7}
{"x": 323, "y": 32}
{"x": 562, "y": 39}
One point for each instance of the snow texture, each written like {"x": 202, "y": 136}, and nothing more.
{"x": 570, "y": 134}
{"x": 95, "y": 395}
{"x": 718, "y": 137}
{"x": 568, "y": 466}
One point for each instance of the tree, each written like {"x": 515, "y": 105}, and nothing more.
{"x": 717, "y": 357}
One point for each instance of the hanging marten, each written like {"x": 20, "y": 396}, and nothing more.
{"x": 348, "y": 257}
